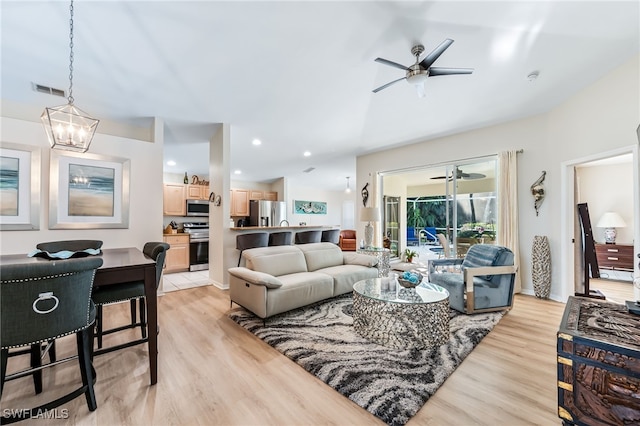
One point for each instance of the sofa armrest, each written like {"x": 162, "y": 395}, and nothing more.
{"x": 470, "y": 273}
{"x": 255, "y": 277}
{"x": 448, "y": 262}
{"x": 350, "y": 258}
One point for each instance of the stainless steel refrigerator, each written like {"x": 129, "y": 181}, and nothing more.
{"x": 267, "y": 213}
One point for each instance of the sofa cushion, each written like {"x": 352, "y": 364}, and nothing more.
{"x": 299, "y": 289}
{"x": 345, "y": 276}
{"x": 359, "y": 259}
{"x": 277, "y": 260}
{"x": 321, "y": 255}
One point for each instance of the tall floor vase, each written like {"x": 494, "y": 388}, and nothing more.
{"x": 541, "y": 266}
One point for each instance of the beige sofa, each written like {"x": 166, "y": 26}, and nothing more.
{"x": 280, "y": 278}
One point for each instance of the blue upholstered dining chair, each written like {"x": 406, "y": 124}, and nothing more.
{"x": 42, "y": 301}
{"x": 485, "y": 281}
{"x": 132, "y": 291}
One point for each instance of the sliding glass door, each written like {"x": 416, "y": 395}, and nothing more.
{"x": 457, "y": 200}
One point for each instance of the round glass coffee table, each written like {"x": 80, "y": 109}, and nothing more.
{"x": 398, "y": 317}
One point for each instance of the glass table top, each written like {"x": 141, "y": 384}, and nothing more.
{"x": 374, "y": 249}
{"x": 388, "y": 290}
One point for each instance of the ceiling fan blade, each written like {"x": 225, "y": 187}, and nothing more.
{"x": 473, "y": 176}
{"x": 391, "y": 64}
{"x": 436, "y": 71}
{"x": 435, "y": 54}
{"x": 388, "y": 84}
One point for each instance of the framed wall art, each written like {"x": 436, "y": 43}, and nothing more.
{"x": 19, "y": 187}
{"x": 88, "y": 191}
{"x": 309, "y": 207}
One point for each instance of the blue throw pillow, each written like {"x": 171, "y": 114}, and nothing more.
{"x": 64, "y": 254}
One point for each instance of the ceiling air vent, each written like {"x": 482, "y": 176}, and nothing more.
{"x": 48, "y": 90}
{"x": 309, "y": 170}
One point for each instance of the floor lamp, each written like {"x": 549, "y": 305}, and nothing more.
{"x": 369, "y": 214}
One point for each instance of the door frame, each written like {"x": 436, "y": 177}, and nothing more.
{"x": 568, "y": 216}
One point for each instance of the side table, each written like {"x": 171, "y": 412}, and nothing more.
{"x": 383, "y": 256}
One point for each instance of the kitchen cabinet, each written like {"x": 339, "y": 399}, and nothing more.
{"x": 177, "y": 258}
{"x": 263, "y": 195}
{"x": 615, "y": 256}
{"x": 256, "y": 195}
{"x": 240, "y": 202}
{"x": 174, "y": 199}
{"x": 198, "y": 192}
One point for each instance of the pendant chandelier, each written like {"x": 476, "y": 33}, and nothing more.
{"x": 69, "y": 128}
{"x": 348, "y": 190}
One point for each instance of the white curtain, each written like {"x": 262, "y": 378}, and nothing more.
{"x": 508, "y": 207}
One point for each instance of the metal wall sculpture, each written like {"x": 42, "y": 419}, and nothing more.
{"x": 538, "y": 192}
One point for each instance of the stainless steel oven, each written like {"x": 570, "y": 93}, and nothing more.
{"x": 198, "y": 245}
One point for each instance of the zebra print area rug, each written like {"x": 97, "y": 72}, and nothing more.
{"x": 391, "y": 384}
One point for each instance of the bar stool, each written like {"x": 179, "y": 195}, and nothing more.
{"x": 306, "y": 237}
{"x": 331, "y": 236}
{"x": 280, "y": 238}
{"x": 253, "y": 240}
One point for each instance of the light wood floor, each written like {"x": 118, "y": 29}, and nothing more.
{"x": 212, "y": 372}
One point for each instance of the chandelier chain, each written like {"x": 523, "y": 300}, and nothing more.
{"x": 70, "y": 98}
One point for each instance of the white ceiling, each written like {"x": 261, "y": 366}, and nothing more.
{"x": 299, "y": 75}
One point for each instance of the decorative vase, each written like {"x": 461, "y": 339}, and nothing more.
{"x": 541, "y": 266}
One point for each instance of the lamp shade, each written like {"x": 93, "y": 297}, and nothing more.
{"x": 611, "y": 220}
{"x": 370, "y": 214}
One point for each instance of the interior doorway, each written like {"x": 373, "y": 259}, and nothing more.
{"x": 607, "y": 182}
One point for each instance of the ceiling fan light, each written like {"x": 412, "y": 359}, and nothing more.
{"x": 416, "y": 78}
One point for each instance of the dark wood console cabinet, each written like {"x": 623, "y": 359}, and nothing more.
{"x": 598, "y": 364}
{"x": 615, "y": 256}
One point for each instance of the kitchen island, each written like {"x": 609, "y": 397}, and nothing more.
{"x": 244, "y": 230}
{"x": 284, "y": 228}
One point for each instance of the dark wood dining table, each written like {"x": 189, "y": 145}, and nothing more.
{"x": 121, "y": 265}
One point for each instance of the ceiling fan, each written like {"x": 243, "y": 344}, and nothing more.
{"x": 418, "y": 73}
{"x": 462, "y": 175}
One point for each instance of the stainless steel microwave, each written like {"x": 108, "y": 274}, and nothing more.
{"x": 198, "y": 208}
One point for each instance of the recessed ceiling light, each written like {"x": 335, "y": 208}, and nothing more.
{"x": 257, "y": 142}
{"x": 237, "y": 172}
{"x": 171, "y": 163}
{"x": 307, "y": 154}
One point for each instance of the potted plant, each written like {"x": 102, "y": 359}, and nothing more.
{"x": 409, "y": 255}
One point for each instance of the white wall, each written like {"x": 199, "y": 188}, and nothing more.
{"x": 599, "y": 118}
{"x": 334, "y": 200}
{"x": 608, "y": 188}
{"x": 145, "y": 204}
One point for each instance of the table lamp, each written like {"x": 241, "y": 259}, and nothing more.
{"x": 610, "y": 221}
{"x": 369, "y": 214}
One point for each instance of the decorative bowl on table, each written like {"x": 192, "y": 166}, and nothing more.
{"x": 410, "y": 279}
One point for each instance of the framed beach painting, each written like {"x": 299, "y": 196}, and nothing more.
{"x": 88, "y": 191}
{"x": 19, "y": 187}
{"x": 309, "y": 207}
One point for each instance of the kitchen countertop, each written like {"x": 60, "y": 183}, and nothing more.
{"x": 266, "y": 228}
